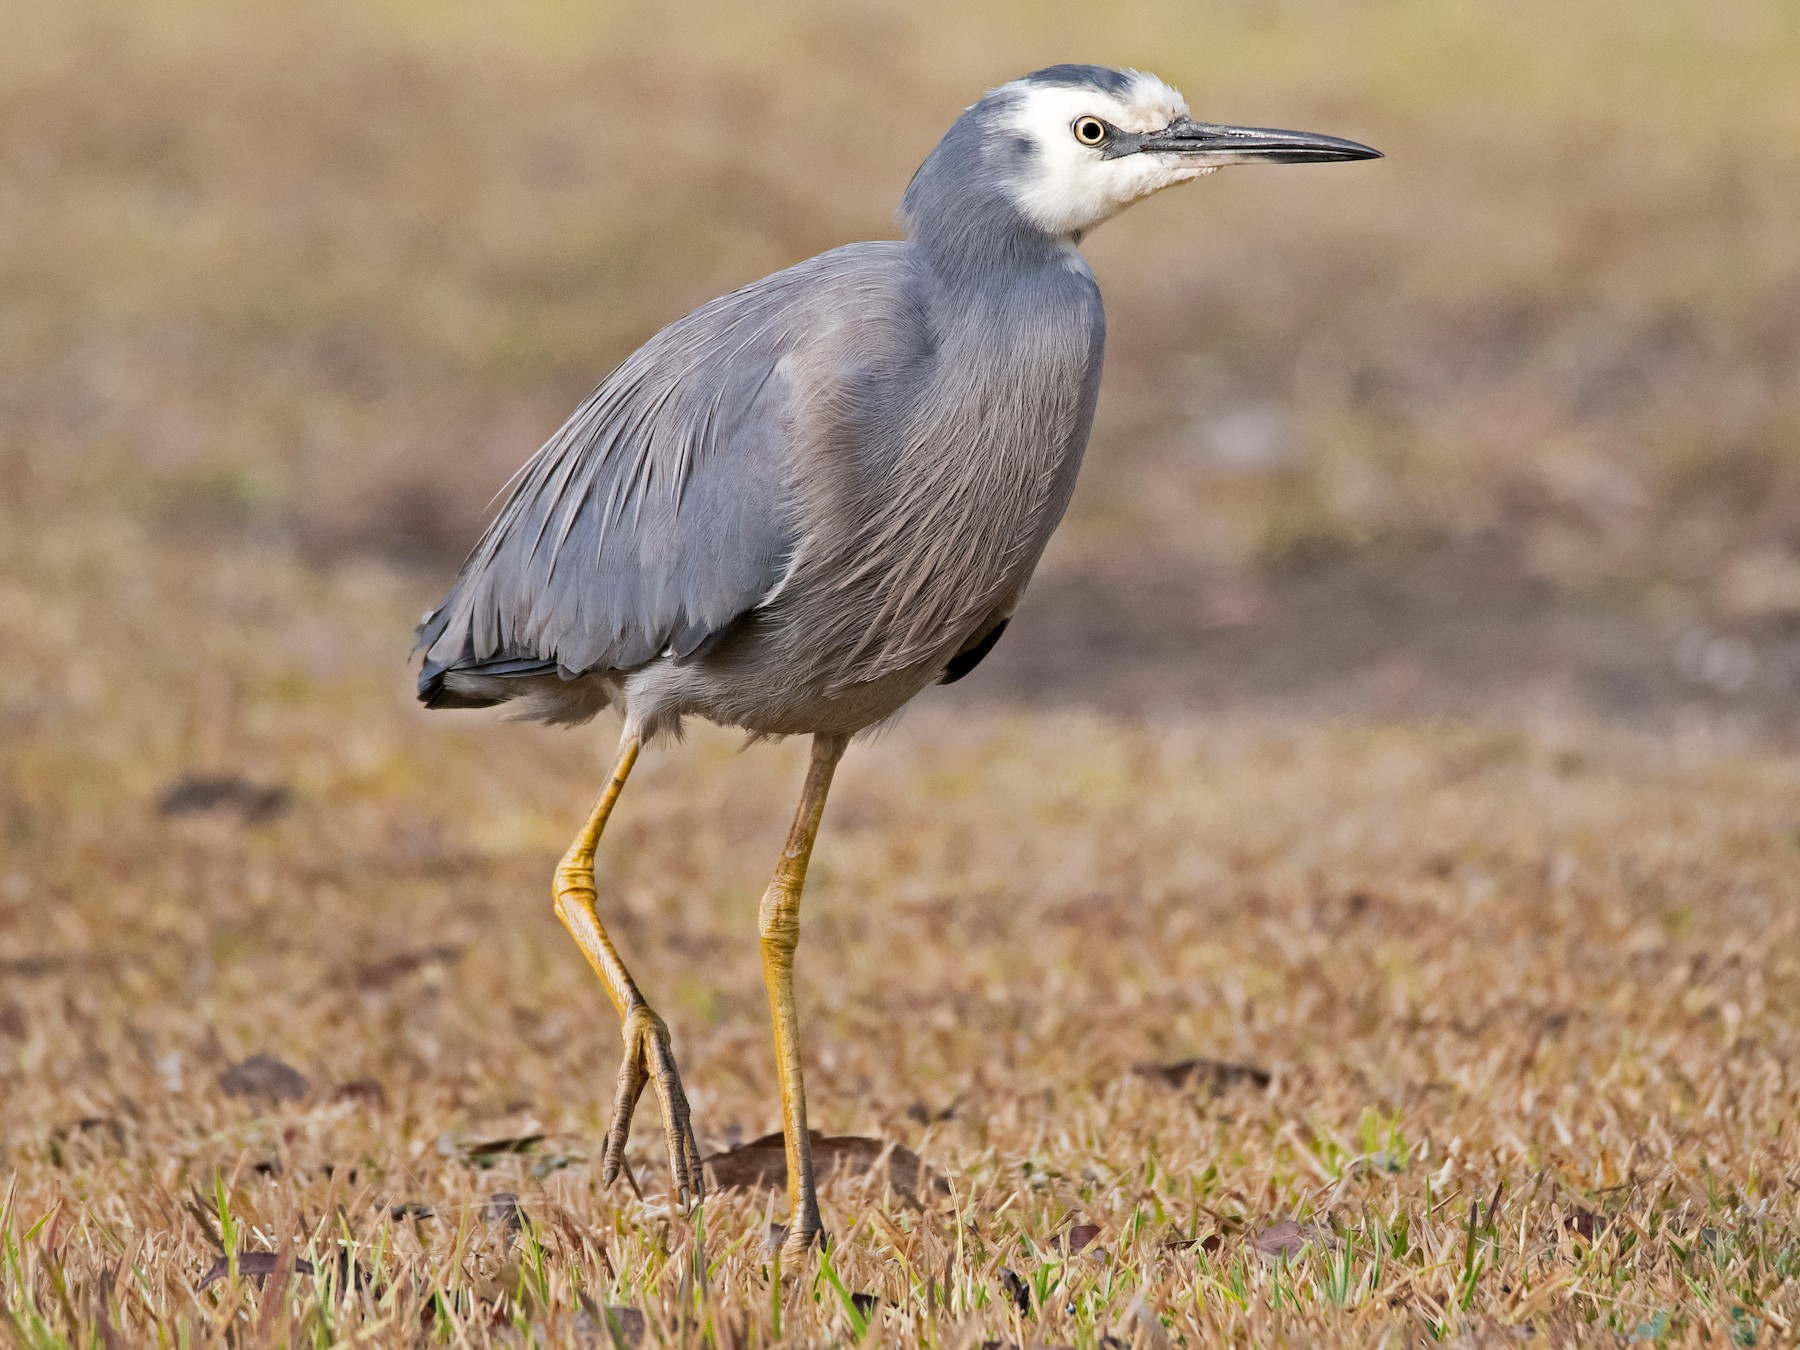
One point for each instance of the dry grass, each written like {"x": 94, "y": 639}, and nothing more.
{"x": 287, "y": 295}
{"x": 1526, "y": 994}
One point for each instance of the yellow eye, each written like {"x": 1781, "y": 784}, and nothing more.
{"x": 1090, "y": 130}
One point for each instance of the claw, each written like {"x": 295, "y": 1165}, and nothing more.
{"x": 650, "y": 1058}
{"x": 798, "y": 1240}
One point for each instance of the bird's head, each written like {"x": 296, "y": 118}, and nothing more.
{"x": 1069, "y": 147}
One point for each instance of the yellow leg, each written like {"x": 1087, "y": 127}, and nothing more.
{"x": 649, "y": 1055}
{"x": 780, "y": 928}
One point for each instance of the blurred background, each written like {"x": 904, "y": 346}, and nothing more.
{"x": 1511, "y": 418}
{"x": 1405, "y": 710}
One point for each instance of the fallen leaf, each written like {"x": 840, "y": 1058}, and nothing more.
{"x": 1209, "y": 1244}
{"x": 1585, "y": 1224}
{"x": 1079, "y": 1235}
{"x": 503, "y": 1208}
{"x": 209, "y": 1223}
{"x": 109, "y": 1335}
{"x": 264, "y": 1076}
{"x": 1016, "y": 1290}
{"x": 350, "y": 1274}
{"x": 1288, "y": 1238}
{"x": 1210, "y": 1075}
{"x": 30, "y": 967}
{"x": 372, "y": 976}
{"x": 925, "y": 1115}
{"x": 489, "y": 1149}
{"x": 195, "y": 794}
{"x": 253, "y": 1265}
{"x": 763, "y": 1163}
{"x": 362, "y": 1091}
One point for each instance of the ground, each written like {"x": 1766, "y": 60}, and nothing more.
{"x": 1518, "y": 1001}
{"x": 1356, "y": 904}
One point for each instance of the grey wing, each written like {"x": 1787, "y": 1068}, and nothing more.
{"x": 660, "y": 512}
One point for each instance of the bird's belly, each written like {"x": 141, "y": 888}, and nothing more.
{"x": 760, "y": 680}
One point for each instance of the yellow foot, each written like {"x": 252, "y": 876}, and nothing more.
{"x": 649, "y": 1057}
{"x": 802, "y": 1236}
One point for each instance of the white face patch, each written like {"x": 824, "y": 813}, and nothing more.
{"x": 1069, "y": 188}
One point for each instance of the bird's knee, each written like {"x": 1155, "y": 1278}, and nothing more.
{"x": 781, "y": 939}
{"x": 573, "y": 886}
{"x": 778, "y": 923}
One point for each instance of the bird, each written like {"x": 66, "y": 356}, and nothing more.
{"x": 795, "y": 508}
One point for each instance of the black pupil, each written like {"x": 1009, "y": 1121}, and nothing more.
{"x": 1090, "y": 131}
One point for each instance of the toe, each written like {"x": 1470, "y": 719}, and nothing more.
{"x": 678, "y": 1129}
{"x": 625, "y": 1099}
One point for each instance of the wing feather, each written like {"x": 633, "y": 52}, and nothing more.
{"x": 660, "y": 512}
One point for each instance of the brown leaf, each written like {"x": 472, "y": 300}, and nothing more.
{"x": 1016, "y": 1290}
{"x": 762, "y": 1163}
{"x": 1288, "y": 1238}
{"x": 363, "y": 1091}
{"x": 503, "y": 1208}
{"x": 266, "y": 1077}
{"x": 31, "y": 967}
{"x": 498, "y": 1148}
{"x": 1209, "y": 1075}
{"x": 1079, "y": 1235}
{"x": 103, "y": 1295}
{"x": 195, "y": 794}
{"x": 922, "y": 1114}
{"x": 253, "y": 1265}
{"x": 1208, "y": 1244}
{"x": 1585, "y": 1224}
{"x": 209, "y": 1223}
{"x": 372, "y": 976}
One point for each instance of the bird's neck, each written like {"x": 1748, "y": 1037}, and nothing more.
{"x": 978, "y": 249}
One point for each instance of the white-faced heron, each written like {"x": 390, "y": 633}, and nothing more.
{"x": 795, "y": 508}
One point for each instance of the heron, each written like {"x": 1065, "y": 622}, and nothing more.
{"x": 793, "y": 509}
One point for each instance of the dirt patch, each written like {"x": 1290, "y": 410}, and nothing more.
{"x": 1465, "y": 634}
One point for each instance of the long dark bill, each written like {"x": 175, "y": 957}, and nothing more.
{"x": 1215, "y": 144}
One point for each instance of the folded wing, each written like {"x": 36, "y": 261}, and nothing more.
{"x": 661, "y": 511}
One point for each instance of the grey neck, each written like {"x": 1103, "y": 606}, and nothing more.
{"x": 959, "y": 212}
{"x": 984, "y": 249}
